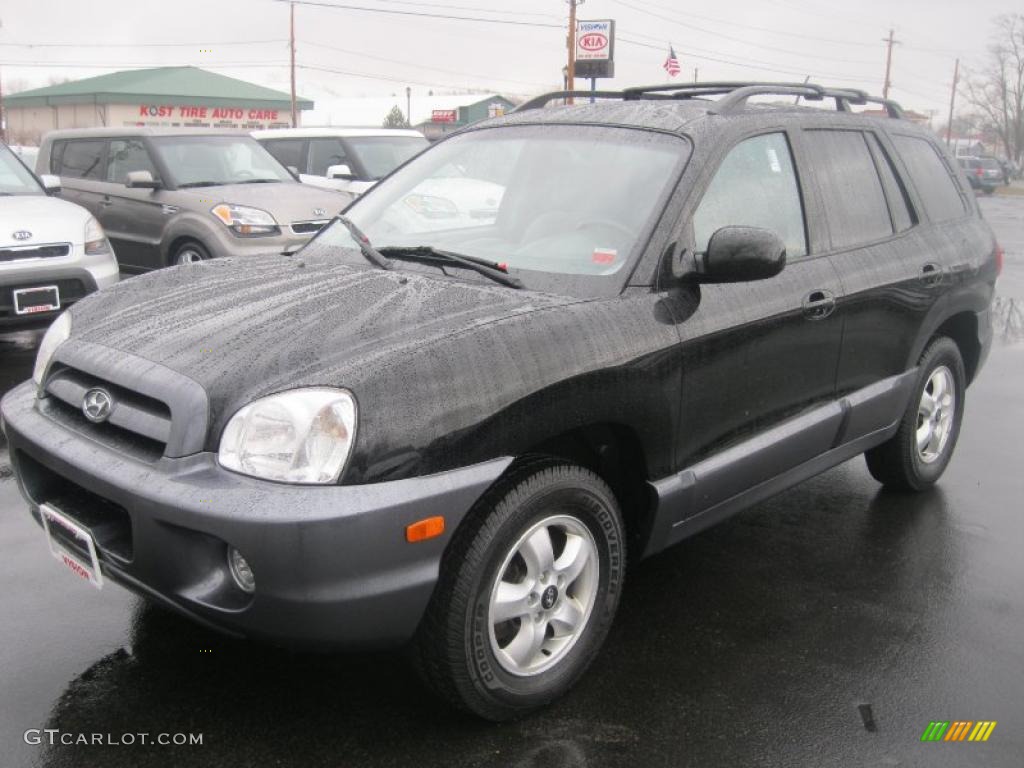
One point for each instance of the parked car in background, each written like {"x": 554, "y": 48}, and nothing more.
{"x": 170, "y": 196}
{"x": 349, "y": 159}
{"x": 984, "y": 173}
{"x": 52, "y": 252}
{"x": 455, "y": 439}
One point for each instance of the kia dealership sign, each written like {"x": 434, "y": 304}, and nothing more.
{"x": 595, "y": 48}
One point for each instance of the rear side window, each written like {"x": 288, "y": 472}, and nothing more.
{"x": 755, "y": 186}
{"x": 851, "y": 190}
{"x": 899, "y": 206}
{"x": 323, "y": 153}
{"x": 125, "y": 156}
{"x": 939, "y": 193}
{"x": 83, "y": 159}
{"x": 288, "y": 152}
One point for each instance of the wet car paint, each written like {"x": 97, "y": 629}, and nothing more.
{"x": 755, "y": 643}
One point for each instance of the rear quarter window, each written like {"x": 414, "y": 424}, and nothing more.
{"x": 851, "y": 190}
{"x": 939, "y": 192}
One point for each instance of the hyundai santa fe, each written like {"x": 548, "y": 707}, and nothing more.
{"x": 455, "y": 439}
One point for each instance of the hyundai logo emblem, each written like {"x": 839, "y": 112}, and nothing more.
{"x": 319, "y": 212}
{"x": 21, "y": 234}
{"x": 97, "y": 404}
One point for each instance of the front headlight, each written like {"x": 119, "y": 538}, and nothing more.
{"x": 56, "y": 334}
{"x": 95, "y": 238}
{"x": 299, "y": 436}
{"x": 243, "y": 220}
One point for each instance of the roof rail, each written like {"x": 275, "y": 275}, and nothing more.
{"x": 734, "y": 95}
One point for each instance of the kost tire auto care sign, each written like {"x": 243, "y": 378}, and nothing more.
{"x": 180, "y": 115}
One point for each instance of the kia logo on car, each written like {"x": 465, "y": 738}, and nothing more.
{"x": 96, "y": 405}
{"x": 21, "y": 234}
{"x": 319, "y": 212}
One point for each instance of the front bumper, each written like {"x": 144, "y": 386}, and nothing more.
{"x": 332, "y": 566}
{"x": 76, "y": 276}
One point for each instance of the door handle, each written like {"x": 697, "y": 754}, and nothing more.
{"x": 819, "y": 304}
{"x": 932, "y": 274}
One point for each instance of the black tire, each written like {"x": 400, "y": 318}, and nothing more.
{"x": 453, "y": 649}
{"x": 898, "y": 463}
{"x": 180, "y": 254}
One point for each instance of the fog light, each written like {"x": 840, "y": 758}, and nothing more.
{"x": 241, "y": 571}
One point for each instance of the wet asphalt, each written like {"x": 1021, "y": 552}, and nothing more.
{"x": 827, "y": 626}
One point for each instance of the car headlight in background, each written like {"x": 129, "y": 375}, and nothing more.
{"x": 56, "y": 334}
{"x": 243, "y": 220}
{"x": 431, "y": 207}
{"x": 95, "y": 238}
{"x": 299, "y": 436}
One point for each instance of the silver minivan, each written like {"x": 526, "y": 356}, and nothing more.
{"x": 173, "y": 196}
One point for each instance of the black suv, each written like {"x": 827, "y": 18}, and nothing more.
{"x": 448, "y": 432}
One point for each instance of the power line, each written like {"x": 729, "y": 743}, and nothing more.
{"x": 696, "y": 28}
{"x": 138, "y": 45}
{"x": 418, "y": 65}
{"x": 122, "y": 65}
{"x": 770, "y": 30}
{"x": 468, "y": 8}
{"x": 395, "y": 12}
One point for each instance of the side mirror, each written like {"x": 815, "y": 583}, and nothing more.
{"x": 50, "y": 183}
{"x": 141, "y": 180}
{"x": 740, "y": 254}
{"x": 340, "y": 172}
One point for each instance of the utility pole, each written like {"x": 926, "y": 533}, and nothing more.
{"x": 695, "y": 73}
{"x": 570, "y": 41}
{"x": 890, "y": 41}
{"x": 952, "y": 101}
{"x": 291, "y": 45}
{"x": 408, "y": 106}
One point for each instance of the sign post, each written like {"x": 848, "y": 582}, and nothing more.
{"x": 595, "y": 50}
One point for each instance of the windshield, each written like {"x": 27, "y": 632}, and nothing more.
{"x": 380, "y": 155}
{"x": 15, "y": 178}
{"x": 215, "y": 160}
{"x": 548, "y": 200}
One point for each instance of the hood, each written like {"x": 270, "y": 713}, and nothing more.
{"x": 48, "y": 219}
{"x": 244, "y": 328}
{"x": 285, "y": 201}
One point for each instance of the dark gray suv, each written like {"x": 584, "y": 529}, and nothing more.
{"x": 455, "y": 438}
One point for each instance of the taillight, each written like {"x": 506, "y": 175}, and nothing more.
{"x": 999, "y": 259}
{"x": 978, "y": 172}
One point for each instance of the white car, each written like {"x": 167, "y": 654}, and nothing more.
{"x": 349, "y": 159}
{"x": 52, "y": 252}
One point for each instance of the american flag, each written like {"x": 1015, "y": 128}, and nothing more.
{"x": 671, "y": 64}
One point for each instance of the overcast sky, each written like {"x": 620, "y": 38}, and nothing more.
{"x": 836, "y": 43}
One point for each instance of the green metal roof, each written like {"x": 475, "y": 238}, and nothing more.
{"x": 162, "y": 85}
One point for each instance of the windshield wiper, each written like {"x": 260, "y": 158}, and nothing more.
{"x": 492, "y": 269}
{"x": 188, "y": 184}
{"x": 372, "y": 254}
{"x": 259, "y": 181}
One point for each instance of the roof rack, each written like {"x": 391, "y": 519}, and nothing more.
{"x": 734, "y": 95}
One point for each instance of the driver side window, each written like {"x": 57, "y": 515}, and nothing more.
{"x": 755, "y": 186}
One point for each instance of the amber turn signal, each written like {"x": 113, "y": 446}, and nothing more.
{"x": 430, "y": 528}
